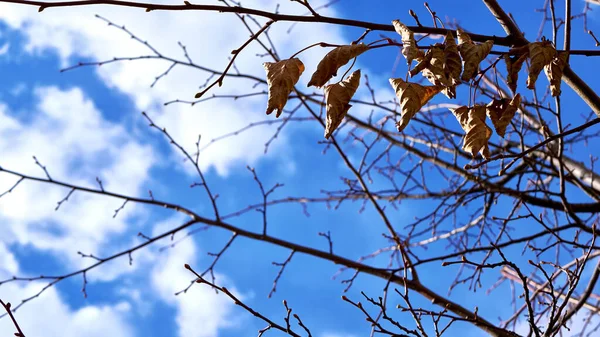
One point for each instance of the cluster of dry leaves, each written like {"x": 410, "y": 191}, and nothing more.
{"x": 445, "y": 65}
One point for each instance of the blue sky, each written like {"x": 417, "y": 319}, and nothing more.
{"x": 87, "y": 123}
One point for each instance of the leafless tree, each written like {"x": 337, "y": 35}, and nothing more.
{"x": 526, "y": 215}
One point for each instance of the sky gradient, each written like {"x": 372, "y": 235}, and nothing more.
{"x": 87, "y": 123}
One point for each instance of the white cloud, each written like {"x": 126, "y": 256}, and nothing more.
{"x": 50, "y": 316}
{"x": 210, "y": 37}
{"x": 200, "y": 311}
{"x": 576, "y": 325}
{"x": 76, "y": 144}
{"x": 4, "y": 48}
{"x": 69, "y": 135}
{"x": 8, "y": 262}
{"x": 143, "y": 304}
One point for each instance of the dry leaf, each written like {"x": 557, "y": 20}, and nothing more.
{"x": 513, "y": 66}
{"x": 472, "y": 54}
{"x": 441, "y": 65}
{"x": 409, "y": 45}
{"x": 477, "y": 133}
{"x": 540, "y": 54}
{"x": 432, "y": 66}
{"x": 335, "y": 59}
{"x": 502, "y": 111}
{"x": 453, "y": 64}
{"x": 281, "y": 78}
{"x": 337, "y": 97}
{"x": 423, "y": 63}
{"x": 554, "y": 71}
{"x": 450, "y": 91}
{"x": 412, "y": 97}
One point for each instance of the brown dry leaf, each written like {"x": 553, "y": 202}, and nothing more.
{"x": 554, "y": 71}
{"x": 412, "y": 97}
{"x": 281, "y": 78}
{"x": 477, "y": 133}
{"x": 502, "y": 111}
{"x": 513, "y": 66}
{"x": 453, "y": 64}
{"x": 423, "y": 62}
{"x": 337, "y": 97}
{"x": 450, "y": 91}
{"x": 540, "y": 55}
{"x": 409, "y": 45}
{"x": 472, "y": 54}
{"x": 432, "y": 66}
{"x": 335, "y": 59}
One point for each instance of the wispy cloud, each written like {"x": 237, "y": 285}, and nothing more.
{"x": 209, "y": 37}
{"x": 200, "y": 311}
{"x": 71, "y": 138}
{"x": 52, "y": 316}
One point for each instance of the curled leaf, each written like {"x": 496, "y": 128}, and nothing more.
{"x": 477, "y": 133}
{"x": 335, "y": 59}
{"x": 502, "y": 111}
{"x": 423, "y": 63}
{"x": 450, "y": 91}
{"x": 513, "y": 66}
{"x": 281, "y": 78}
{"x": 554, "y": 71}
{"x": 337, "y": 97}
{"x": 432, "y": 66}
{"x": 409, "y": 45}
{"x": 412, "y": 97}
{"x": 540, "y": 54}
{"x": 437, "y": 73}
{"x": 471, "y": 53}
{"x": 453, "y": 64}
{"x": 441, "y": 65}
